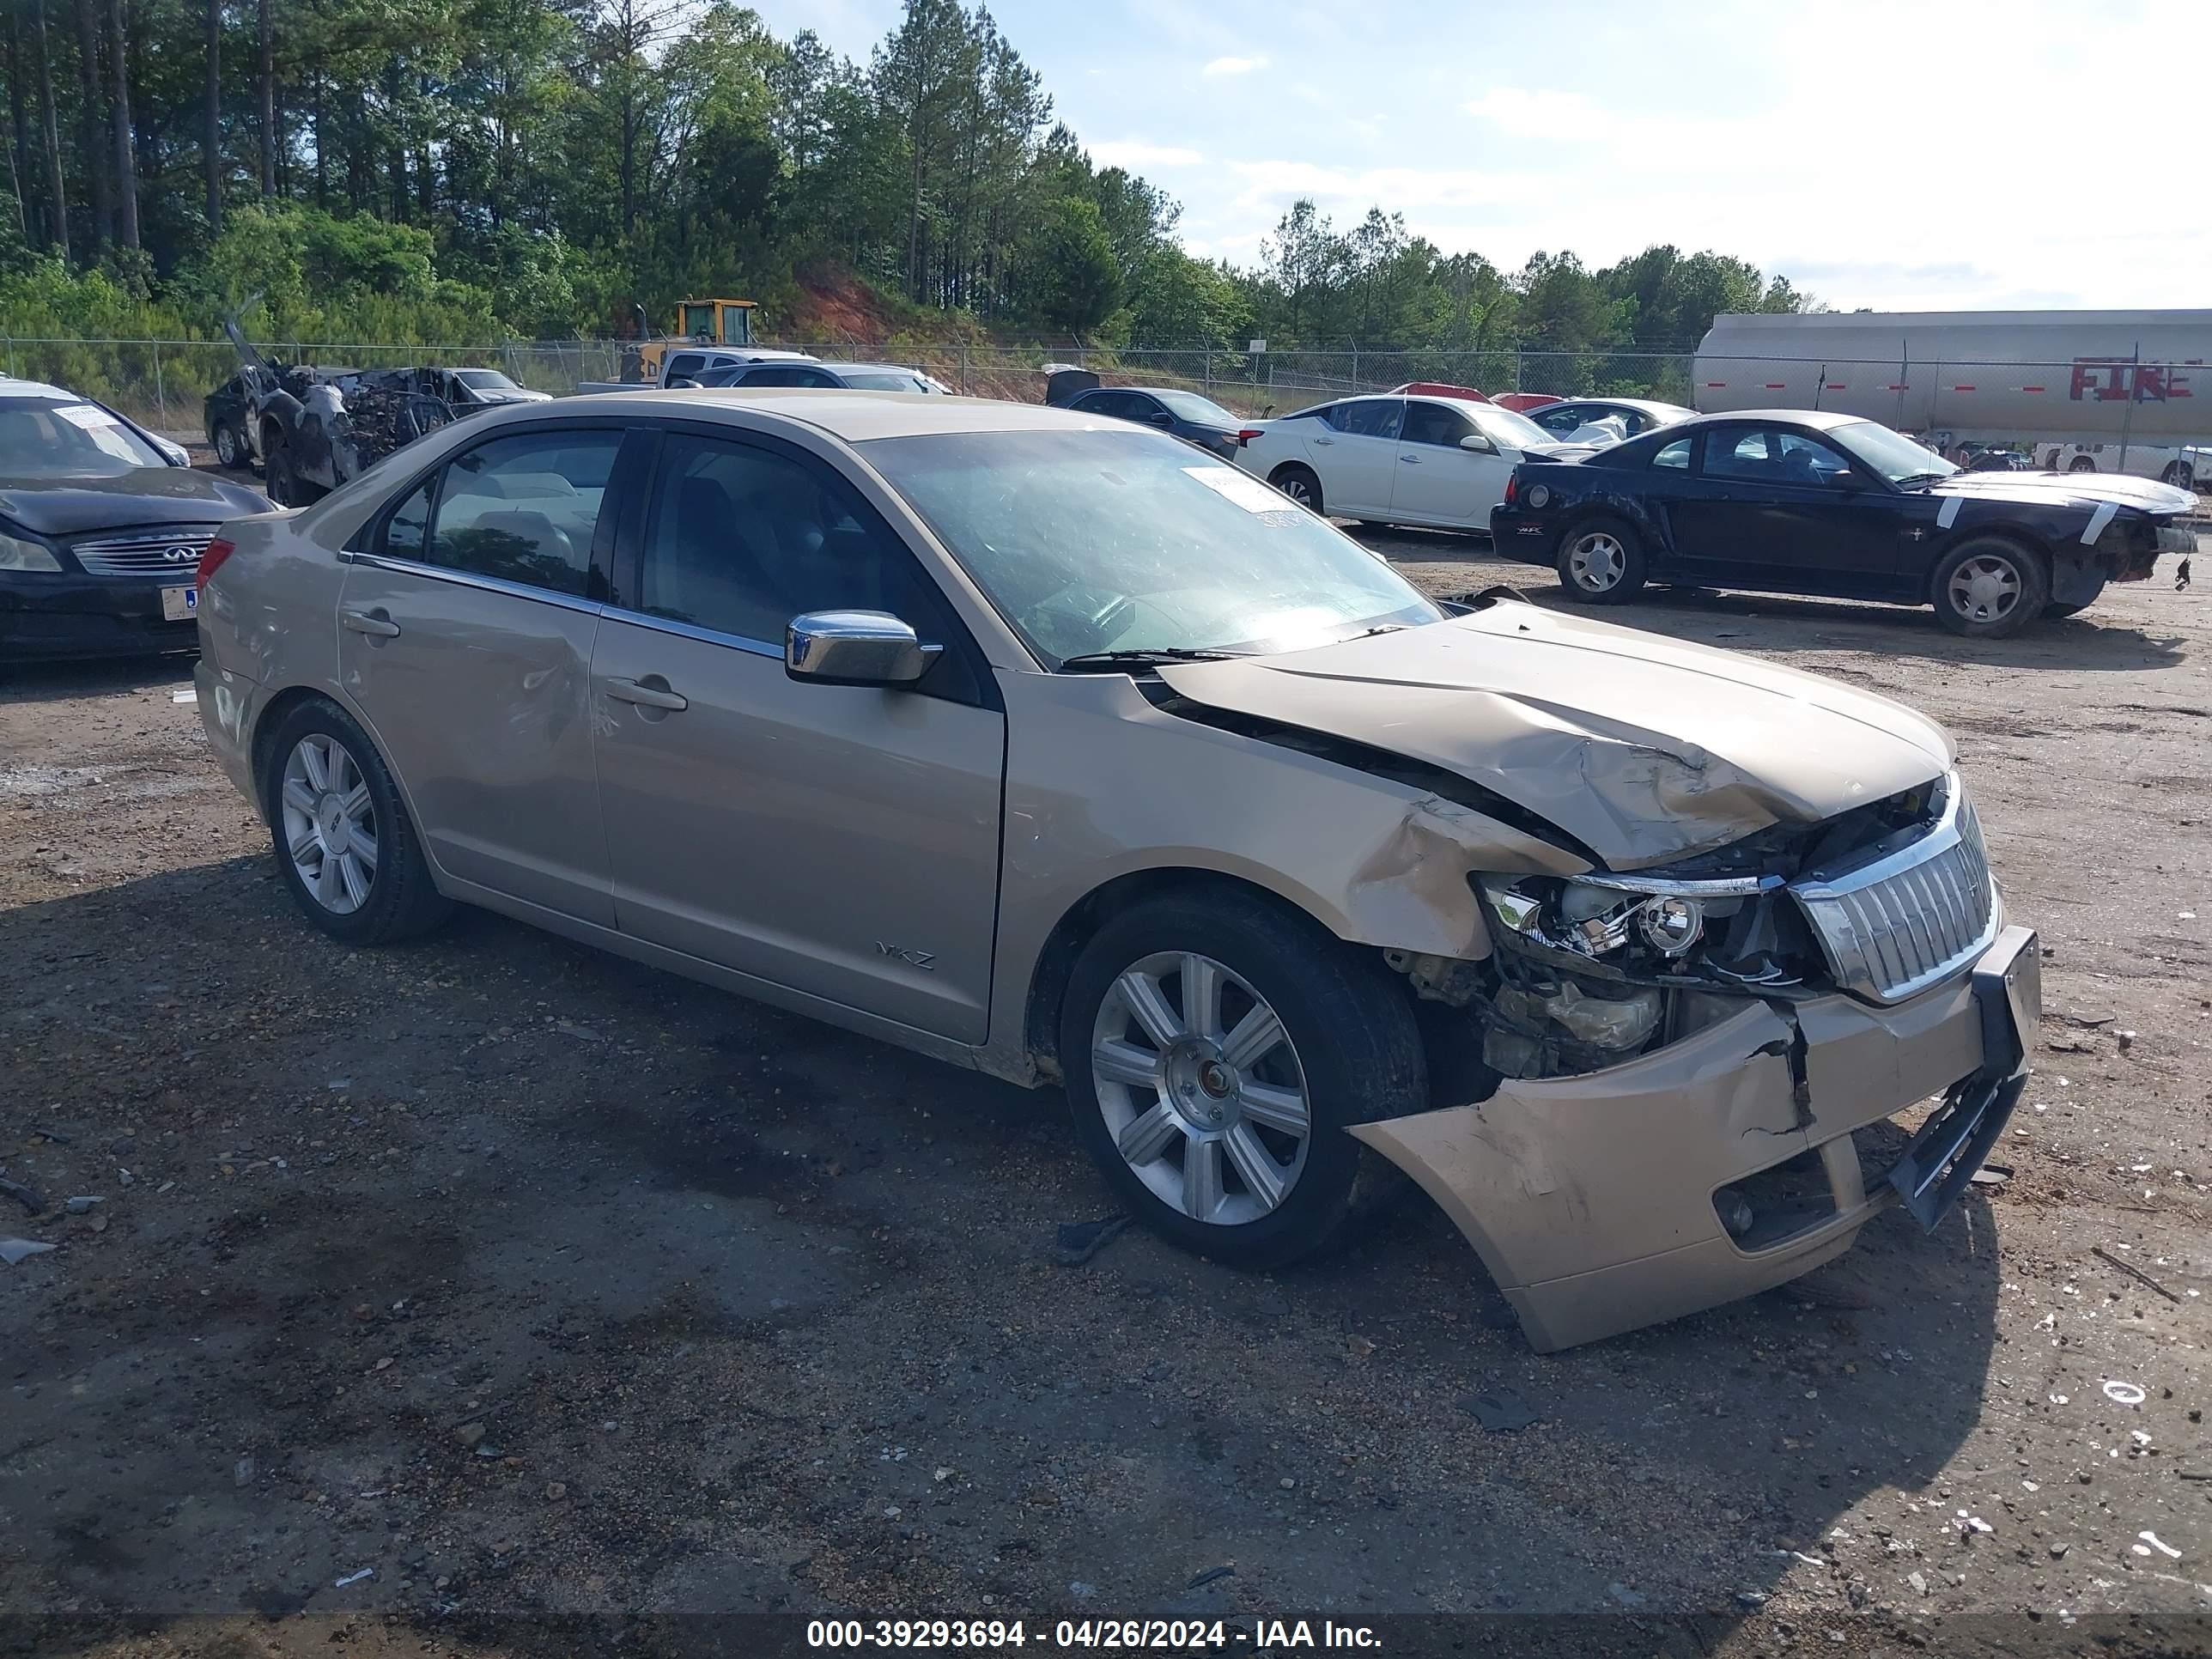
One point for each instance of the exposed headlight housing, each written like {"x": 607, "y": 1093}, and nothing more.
{"x": 1601, "y": 917}
{"x": 26, "y": 553}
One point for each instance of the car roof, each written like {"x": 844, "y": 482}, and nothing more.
{"x": 855, "y": 416}
{"x": 1822, "y": 420}
{"x": 12, "y": 388}
{"x": 1643, "y": 405}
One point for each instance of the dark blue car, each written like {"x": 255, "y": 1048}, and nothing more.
{"x": 1799, "y": 501}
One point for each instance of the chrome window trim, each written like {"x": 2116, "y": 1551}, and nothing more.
{"x": 470, "y": 579}
{"x": 1712, "y": 887}
{"x": 684, "y": 630}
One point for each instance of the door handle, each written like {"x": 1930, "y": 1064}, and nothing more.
{"x": 646, "y": 696}
{"x": 375, "y": 623}
{"x": 1411, "y": 461}
{"x": 1324, "y": 441}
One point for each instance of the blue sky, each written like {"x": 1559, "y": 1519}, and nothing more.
{"x": 1942, "y": 154}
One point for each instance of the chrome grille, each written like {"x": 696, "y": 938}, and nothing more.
{"x": 146, "y": 552}
{"x": 1909, "y": 921}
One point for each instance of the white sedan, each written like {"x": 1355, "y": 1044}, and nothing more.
{"x": 1441, "y": 462}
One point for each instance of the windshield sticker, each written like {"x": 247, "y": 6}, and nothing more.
{"x": 1242, "y": 488}
{"x": 86, "y": 415}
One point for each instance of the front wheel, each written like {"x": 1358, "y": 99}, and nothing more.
{"x": 1215, "y": 1051}
{"x": 283, "y": 482}
{"x": 2181, "y": 475}
{"x": 1988, "y": 588}
{"x": 229, "y": 447}
{"x": 344, "y": 843}
{"x": 1601, "y": 562}
{"x": 2081, "y": 463}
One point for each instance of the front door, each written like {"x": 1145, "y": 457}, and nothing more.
{"x": 1438, "y": 481}
{"x": 1773, "y": 505}
{"x": 465, "y": 629}
{"x": 841, "y": 840}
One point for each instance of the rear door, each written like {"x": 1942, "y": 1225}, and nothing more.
{"x": 1356, "y": 456}
{"x": 1438, "y": 481}
{"x": 840, "y": 841}
{"x": 1773, "y": 505}
{"x": 466, "y": 625}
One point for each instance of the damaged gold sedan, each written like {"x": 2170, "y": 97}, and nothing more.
{"x": 1063, "y": 750}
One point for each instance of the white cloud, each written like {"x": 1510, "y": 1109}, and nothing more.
{"x": 1136, "y": 156}
{"x": 1221, "y": 66}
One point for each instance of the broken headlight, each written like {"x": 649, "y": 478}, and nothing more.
{"x": 1735, "y": 931}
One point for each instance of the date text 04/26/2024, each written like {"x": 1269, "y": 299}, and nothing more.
{"x": 1265, "y": 1637}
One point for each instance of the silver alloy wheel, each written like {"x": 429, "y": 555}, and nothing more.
{"x": 1598, "y": 562}
{"x": 1200, "y": 1088}
{"x": 225, "y": 446}
{"x": 1985, "y": 588}
{"x": 330, "y": 823}
{"x": 1295, "y": 486}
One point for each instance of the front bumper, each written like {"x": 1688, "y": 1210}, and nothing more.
{"x": 48, "y": 617}
{"x": 1516, "y": 533}
{"x": 1592, "y": 1199}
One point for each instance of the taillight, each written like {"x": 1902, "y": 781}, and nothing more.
{"x": 1512, "y": 488}
{"x": 211, "y": 561}
{"x": 1247, "y": 435}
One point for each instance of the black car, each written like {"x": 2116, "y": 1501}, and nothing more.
{"x": 224, "y": 417}
{"x": 1186, "y": 415}
{"x": 102, "y": 528}
{"x": 1798, "y": 502}
{"x": 857, "y": 377}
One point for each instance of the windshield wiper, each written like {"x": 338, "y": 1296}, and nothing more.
{"x": 1912, "y": 479}
{"x": 1094, "y": 661}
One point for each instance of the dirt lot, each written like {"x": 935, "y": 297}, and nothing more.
{"x": 537, "y": 1284}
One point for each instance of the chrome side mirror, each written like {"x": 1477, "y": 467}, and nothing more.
{"x": 855, "y": 648}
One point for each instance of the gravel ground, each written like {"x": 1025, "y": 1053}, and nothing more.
{"x": 535, "y": 1284}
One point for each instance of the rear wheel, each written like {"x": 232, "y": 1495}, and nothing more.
{"x": 1601, "y": 562}
{"x": 1215, "y": 1049}
{"x": 229, "y": 445}
{"x": 1299, "y": 484}
{"x": 1988, "y": 588}
{"x": 2181, "y": 475}
{"x": 344, "y": 843}
{"x": 2081, "y": 463}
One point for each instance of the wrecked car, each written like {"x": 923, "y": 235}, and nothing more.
{"x": 1061, "y": 750}
{"x": 309, "y": 428}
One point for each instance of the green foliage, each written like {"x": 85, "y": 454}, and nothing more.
{"x": 1068, "y": 268}
{"x": 462, "y": 171}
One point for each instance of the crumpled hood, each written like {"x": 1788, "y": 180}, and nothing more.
{"x": 2083, "y": 490}
{"x": 1643, "y": 749}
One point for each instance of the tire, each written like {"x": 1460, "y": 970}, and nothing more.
{"x": 1300, "y": 484}
{"x": 379, "y": 888}
{"x": 229, "y": 445}
{"x": 1989, "y": 588}
{"x": 2081, "y": 463}
{"x": 282, "y": 482}
{"x": 1601, "y": 562}
{"x": 1348, "y": 1052}
{"x": 2181, "y": 475}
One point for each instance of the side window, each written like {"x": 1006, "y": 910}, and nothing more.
{"x": 1113, "y": 403}
{"x": 1369, "y": 418}
{"x": 684, "y": 362}
{"x": 1735, "y": 453}
{"x": 814, "y": 377}
{"x": 741, "y": 539}
{"x": 1809, "y": 461}
{"x": 1675, "y": 456}
{"x": 525, "y": 508}
{"x": 1559, "y": 418}
{"x": 1433, "y": 423}
{"x": 405, "y": 531}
